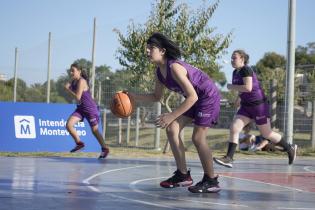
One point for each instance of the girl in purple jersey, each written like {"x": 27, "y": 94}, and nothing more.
{"x": 86, "y": 108}
{"x": 201, "y": 106}
{"x": 253, "y": 107}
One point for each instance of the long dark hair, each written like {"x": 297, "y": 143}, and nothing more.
{"x": 161, "y": 41}
{"x": 84, "y": 74}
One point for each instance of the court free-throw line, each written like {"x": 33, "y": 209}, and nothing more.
{"x": 87, "y": 180}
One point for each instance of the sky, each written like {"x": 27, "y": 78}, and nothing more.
{"x": 258, "y": 27}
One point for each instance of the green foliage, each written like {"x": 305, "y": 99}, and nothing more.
{"x": 188, "y": 29}
{"x": 272, "y": 67}
{"x": 103, "y": 82}
{"x": 305, "y": 55}
{"x": 305, "y": 62}
{"x": 6, "y": 91}
{"x": 229, "y": 95}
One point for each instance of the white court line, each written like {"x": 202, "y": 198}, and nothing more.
{"x": 290, "y": 188}
{"x": 269, "y": 172}
{"x": 133, "y": 187}
{"x": 295, "y": 208}
{"x": 277, "y": 185}
{"x": 307, "y": 168}
{"x": 87, "y": 180}
{"x": 143, "y": 202}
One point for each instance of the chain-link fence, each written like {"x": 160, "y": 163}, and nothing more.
{"x": 139, "y": 130}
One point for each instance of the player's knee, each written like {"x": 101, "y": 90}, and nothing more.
{"x": 235, "y": 129}
{"x": 94, "y": 129}
{"x": 171, "y": 131}
{"x": 266, "y": 134}
{"x": 69, "y": 125}
{"x": 196, "y": 141}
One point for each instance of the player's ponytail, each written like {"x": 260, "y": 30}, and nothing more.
{"x": 243, "y": 55}
{"x": 85, "y": 76}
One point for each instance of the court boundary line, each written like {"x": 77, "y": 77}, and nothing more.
{"x": 133, "y": 184}
{"x": 307, "y": 168}
{"x": 261, "y": 182}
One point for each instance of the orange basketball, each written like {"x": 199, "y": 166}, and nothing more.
{"x": 121, "y": 105}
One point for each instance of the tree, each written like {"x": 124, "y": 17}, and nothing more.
{"x": 189, "y": 29}
{"x": 36, "y": 93}
{"x": 103, "y": 77}
{"x": 6, "y": 92}
{"x": 305, "y": 62}
{"x": 305, "y": 55}
{"x": 20, "y": 89}
{"x": 270, "y": 67}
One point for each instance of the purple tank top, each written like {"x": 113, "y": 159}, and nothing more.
{"x": 257, "y": 93}
{"x": 86, "y": 103}
{"x": 201, "y": 82}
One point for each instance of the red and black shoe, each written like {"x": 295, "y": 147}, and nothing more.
{"x": 78, "y": 147}
{"x": 178, "y": 180}
{"x": 104, "y": 153}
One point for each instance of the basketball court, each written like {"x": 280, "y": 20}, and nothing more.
{"x": 87, "y": 183}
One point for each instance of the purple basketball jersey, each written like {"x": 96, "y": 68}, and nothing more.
{"x": 253, "y": 104}
{"x": 205, "y": 111}
{"x": 86, "y": 107}
{"x": 257, "y": 94}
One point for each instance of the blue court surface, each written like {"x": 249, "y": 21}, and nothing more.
{"x": 36, "y": 183}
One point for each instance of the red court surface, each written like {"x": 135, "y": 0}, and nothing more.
{"x": 296, "y": 181}
{"x": 35, "y": 183}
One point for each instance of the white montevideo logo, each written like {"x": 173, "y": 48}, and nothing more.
{"x": 24, "y": 127}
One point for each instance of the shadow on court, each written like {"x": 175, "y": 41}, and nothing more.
{"x": 88, "y": 183}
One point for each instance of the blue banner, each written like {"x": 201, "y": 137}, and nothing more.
{"x": 40, "y": 127}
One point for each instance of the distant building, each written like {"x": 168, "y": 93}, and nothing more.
{"x": 3, "y": 77}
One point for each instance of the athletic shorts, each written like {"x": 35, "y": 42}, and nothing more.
{"x": 259, "y": 113}
{"x": 93, "y": 117}
{"x": 205, "y": 112}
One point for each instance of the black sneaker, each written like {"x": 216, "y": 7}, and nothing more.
{"x": 104, "y": 153}
{"x": 224, "y": 161}
{"x": 206, "y": 185}
{"x": 78, "y": 147}
{"x": 178, "y": 180}
{"x": 292, "y": 153}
